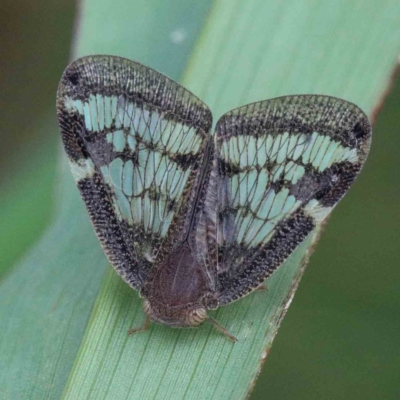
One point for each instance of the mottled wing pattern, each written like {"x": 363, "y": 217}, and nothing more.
{"x": 135, "y": 141}
{"x": 281, "y": 165}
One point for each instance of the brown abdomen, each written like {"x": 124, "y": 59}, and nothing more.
{"x": 179, "y": 280}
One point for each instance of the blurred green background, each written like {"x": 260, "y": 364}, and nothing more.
{"x": 339, "y": 339}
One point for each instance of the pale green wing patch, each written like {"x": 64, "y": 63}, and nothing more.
{"x": 135, "y": 141}
{"x": 281, "y": 165}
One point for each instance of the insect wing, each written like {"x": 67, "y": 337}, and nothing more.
{"x": 280, "y": 167}
{"x": 135, "y": 141}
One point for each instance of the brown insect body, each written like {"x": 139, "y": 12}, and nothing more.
{"x": 196, "y": 220}
{"x": 178, "y": 290}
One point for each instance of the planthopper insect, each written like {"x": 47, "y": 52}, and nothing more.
{"x": 193, "y": 219}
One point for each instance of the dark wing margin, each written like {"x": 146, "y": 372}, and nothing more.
{"x": 135, "y": 140}
{"x": 280, "y": 167}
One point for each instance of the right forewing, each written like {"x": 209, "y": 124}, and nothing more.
{"x": 280, "y": 167}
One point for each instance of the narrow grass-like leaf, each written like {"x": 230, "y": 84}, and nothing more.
{"x": 247, "y": 51}
{"x": 45, "y": 301}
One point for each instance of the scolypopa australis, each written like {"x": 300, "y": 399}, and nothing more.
{"x": 193, "y": 219}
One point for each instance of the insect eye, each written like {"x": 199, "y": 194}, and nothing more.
{"x": 197, "y": 316}
{"x": 147, "y": 307}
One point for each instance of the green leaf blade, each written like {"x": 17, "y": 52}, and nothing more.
{"x": 177, "y": 363}
{"x": 181, "y": 364}
{"x": 247, "y": 51}
{"x": 46, "y": 300}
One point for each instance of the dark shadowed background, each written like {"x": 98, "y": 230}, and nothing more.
{"x": 339, "y": 339}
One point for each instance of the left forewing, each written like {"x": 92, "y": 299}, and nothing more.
{"x": 135, "y": 140}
